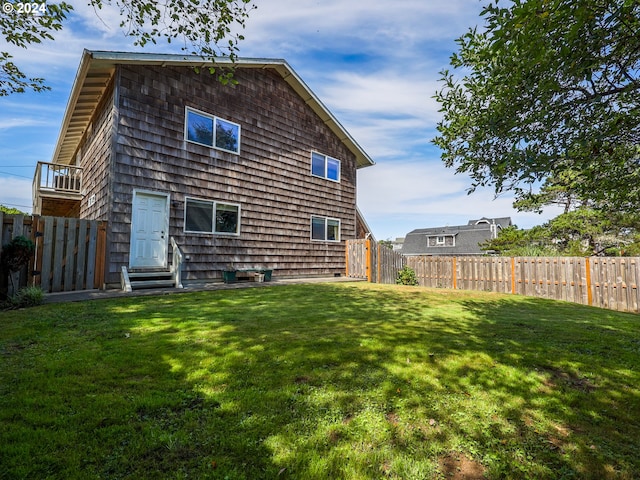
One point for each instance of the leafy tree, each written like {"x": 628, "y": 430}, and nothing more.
{"x": 203, "y": 26}
{"x": 11, "y": 211}
{"x": 576, "y": 232}
{"x": 583, "y": 231}
{"x": 560, "y": 190}
{"x": 550, "y": 86}
{"x": 386, "y": 243}
{"x": 513, "y": 242}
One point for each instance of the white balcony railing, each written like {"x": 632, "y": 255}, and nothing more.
{"x": 57, "y": 178}
{"x": 54, "y": 180}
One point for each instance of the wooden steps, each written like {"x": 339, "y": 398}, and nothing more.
{"x": 139, "y": 279}
{"x": 155, "y": 277}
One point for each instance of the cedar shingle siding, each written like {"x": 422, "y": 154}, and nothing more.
{"x": 136, "y": 141}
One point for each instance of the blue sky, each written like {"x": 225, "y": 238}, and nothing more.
{"x": 374, "y": 64}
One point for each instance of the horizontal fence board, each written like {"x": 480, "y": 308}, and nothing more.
{"x": 606, "y": 282}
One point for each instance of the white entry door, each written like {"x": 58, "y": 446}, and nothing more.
{"x": 149, "y": 230}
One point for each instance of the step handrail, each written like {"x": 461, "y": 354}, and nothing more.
{"x": 176, "y": 264}
{"x": 125, "y": 281}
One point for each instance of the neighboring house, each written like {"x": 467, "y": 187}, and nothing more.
{"x": 258, "y": 174}
{"x": 397, "y": 244}
{"x": 458, "y": 240}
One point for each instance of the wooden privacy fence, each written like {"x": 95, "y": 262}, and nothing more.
{"x": 607, "y": 282}
{"x": 373, "y": 261}
{"x": 70, "y": 252}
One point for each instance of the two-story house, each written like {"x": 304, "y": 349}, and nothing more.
{"x": 254, "y": 174}
{"x": 454, "y": 240}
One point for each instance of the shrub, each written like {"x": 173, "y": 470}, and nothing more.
{"x": 407, "y": 276}
{"x": 26, "y": 297}
{"x": 17, "y": 253}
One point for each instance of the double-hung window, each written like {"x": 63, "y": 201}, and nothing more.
{"x": 211, "y": 131}
{"x": 325, "y": 229}
{"x": 325, "y": 167}
{"x": 206, "y": 216}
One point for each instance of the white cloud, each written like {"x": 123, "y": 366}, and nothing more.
{"x": 20, "y": 122}
{"x": 384, "y": 93}
{"x": 399, "y": 196}
{"x": 378, "y": 27}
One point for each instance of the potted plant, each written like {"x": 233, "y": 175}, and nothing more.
{"x": 229, "y": 274}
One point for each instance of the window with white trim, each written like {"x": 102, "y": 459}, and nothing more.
{"x": 325, "y": 229}
{"x": 325, "y": 167}
{"x": 206, "y": 216}
{"x": 211, "y": 131}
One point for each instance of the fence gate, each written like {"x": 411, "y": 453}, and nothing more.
{"x": 373, "y": 261}
{"x": 358, "y": 260}
{"x": 70, "y": 252}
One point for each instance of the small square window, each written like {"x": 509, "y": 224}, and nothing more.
{"x": 199, "y": 128}
{"x": 227, "y": 218}
{"x": 325, "y": 167}
{"x": 227, "y": 136}
{"x": 198, "y": 216}
{"x": 325, "y": 229}
{"x": 317, "y": 164}
{"x": 317, "y": 228}
{"x": 333, "y": 230}
{"x": 333, "y": 169}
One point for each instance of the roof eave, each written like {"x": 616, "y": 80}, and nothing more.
{"x": 105, "y": 61}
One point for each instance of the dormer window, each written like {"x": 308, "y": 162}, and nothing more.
{"x": 441, "y": 241}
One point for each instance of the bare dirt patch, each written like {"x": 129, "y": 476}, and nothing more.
{"x": 457, "y": 466}
{"x": 572, "y": 380}
{"x": 392, "y": 418}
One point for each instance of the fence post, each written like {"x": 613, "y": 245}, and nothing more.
{"x": 101, "y": 252}
{"x": 454, "y": 273}
{"x": 368, "y": 261}
{"x": 346, "y": 258}
{"x": 587, "y": 266}
{"x": 379, "y": 275}
{"x": 513, "y": 275}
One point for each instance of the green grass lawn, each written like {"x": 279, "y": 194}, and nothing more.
{"x": 323, "y": 381}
